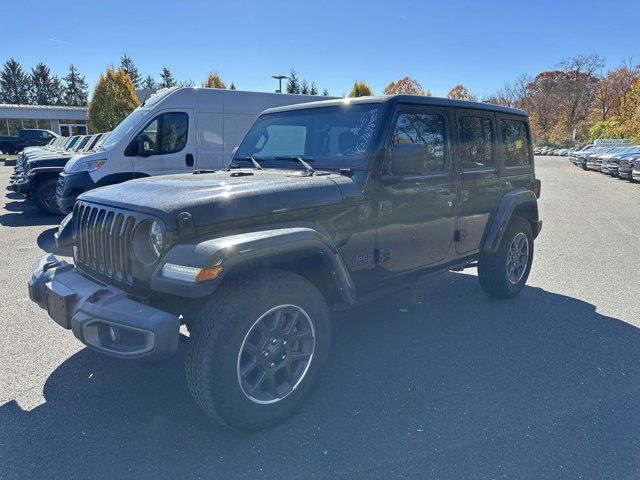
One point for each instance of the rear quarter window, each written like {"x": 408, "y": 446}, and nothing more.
{"x": 515, "y": 143}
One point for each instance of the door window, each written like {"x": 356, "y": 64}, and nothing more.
{"x": 476, "y": 142}
{"x": 515, "y": 143}
{"x": 167, "y": 133}
{"x": 427, "y": 129}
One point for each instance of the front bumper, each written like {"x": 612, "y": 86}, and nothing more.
{"x": 102, "y": 317}
{"x": 21, "y": 185}
{"x": 70, "y": 185}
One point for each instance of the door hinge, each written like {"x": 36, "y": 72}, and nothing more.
{"x": 382, "y": 255}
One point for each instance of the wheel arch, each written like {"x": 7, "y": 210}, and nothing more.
{"x": 303, "y": 251}
{"x": 519, "y": 202}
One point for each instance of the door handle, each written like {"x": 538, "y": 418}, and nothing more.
{"x": 188, "y": 159}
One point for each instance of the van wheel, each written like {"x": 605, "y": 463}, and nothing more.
{"x": 258, "y": 345}
{"x": 503, "y": 274}
{"x": 44, "y": 194}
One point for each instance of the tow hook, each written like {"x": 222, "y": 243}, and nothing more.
{"x": 95, "y": 296}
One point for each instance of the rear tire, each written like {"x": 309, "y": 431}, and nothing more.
{"x": 44, "y": 195}
{"x": 503, "y": 274}
{"x": 238, "y": 367}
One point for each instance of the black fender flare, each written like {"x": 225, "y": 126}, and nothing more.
{"x": 508, "y": 204}
{"x": 235, "y": 252}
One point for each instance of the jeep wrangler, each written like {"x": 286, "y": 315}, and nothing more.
{"x": 322, "y": 207}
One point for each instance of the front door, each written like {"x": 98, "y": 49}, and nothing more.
{"x": 480, "y": 185}
{"x": 171, "y": 137}
{"x": 416, "y": 209}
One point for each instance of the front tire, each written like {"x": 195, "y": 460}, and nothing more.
{"x": 258, "y": 346}
{"x": 503, "y": 274}
{"x": 44, "y": 195}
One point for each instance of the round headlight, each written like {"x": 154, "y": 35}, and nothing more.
{"x": 155, "y": 238}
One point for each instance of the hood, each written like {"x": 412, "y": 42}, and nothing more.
{"x": 222, "y": 196}
{"x": 59, "y": 161}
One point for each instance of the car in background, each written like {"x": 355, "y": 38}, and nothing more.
{"x": 26, "y": 137}
{"x": 579, "y": 158}
{"x": 591, "y": 162}
{"x": 625, "y": 166}
{"x": 635, "y": 171}
{"x": 610, "y": 161}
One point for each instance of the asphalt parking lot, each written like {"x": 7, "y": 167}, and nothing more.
{"x": 442, "y": 382}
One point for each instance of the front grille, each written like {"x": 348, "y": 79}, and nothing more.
{"x": 103, "y": 241}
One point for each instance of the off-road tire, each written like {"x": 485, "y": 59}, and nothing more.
{"x": 492, "y": 267}
{"x": 41, "y": 189}
{"x": 218, "y": 331}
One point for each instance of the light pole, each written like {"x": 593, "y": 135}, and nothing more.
{"x": 279, "y": 78}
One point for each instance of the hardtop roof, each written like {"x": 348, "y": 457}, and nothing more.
{"x": 401, "y": 99}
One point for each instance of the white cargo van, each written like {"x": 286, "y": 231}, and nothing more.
{"x": 174, "y": 131}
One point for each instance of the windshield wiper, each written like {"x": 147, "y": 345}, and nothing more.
{"x": 308, "y": 168}
{"x": 256, "y": 165}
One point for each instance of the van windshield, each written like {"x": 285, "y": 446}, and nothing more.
{"x": 329, "y": 135}
{"x": 124, "y": 128}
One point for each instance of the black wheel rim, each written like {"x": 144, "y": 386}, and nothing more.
{"x": 517, "y": 258}
{"x": 49, "y": 198}
{"x": 276, "y": 354}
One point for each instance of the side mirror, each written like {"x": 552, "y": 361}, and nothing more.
{"x": 144, "y": 146}
{"x": 408, "y": 159}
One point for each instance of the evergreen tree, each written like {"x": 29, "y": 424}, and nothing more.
{"x": 293, "y": 85}
{"x": 314, "y": 89}
{"x": 325, "y": 92}
{"x": 114, "y": 98}
{"x": 232, "y": 86}
{"x": 14, "y": 83}
{"x": 126, "y": 63}
{"x": 46, "y": 89}
{"x": 149, "y": 83}
{"x": 75, "y": 90}
{"x": 166, "y": 79}
{"x": 304, "y": 87}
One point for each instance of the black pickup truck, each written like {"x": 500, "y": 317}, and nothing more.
{"x": 324, "y": 206}
{"x": 27, "y": 137}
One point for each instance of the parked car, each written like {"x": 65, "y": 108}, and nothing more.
{"x": 579, "y": 158}
{"x": 625, "y": 167}
{"x": 635, "y": 170}
{"x": 176, "y": 131}
{"x": 40, "y": 177}
{"x": 593, "y": 160}
{"x": 323, "y": 206}
{"x": 610, "y": 161}
{"x": 58, "y": 145}
{"x": 26, "y": 137}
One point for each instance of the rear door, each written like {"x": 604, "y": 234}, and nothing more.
{"x": 480, "y": 187}
{"x": 172, "y": 137}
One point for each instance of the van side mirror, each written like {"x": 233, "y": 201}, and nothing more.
{"x": 408, "y": 159}
{"x": 144, "y": 146}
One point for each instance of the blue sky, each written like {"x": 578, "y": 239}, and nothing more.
{"x": 479, "y": 44}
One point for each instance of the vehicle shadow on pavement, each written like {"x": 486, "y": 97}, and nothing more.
{"x": 23, "y": 213}
{"x": 437, "y": 382}
{"x": 47, "y": 242}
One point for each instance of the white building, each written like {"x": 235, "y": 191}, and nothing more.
{"x": 63, "y": 120}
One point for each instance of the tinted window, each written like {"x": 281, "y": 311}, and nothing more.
{"x": 422, "y": 129}
{"x": 515, "y": 143}
{"x": 174, "y": 132}
{"x": 167, "y": 133}
{"x": 283, "y": 140}
{"x": 476, "y": 142}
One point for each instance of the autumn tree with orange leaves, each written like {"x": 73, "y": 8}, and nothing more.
{"x": 406, "y": 85}
{"x": 459, "y": 92}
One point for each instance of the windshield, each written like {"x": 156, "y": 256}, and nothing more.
{"x": 329, "y": 135}
{"x": 124, "y": 127}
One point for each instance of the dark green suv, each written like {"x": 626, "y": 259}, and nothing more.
{"x": 323, "y": 206}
